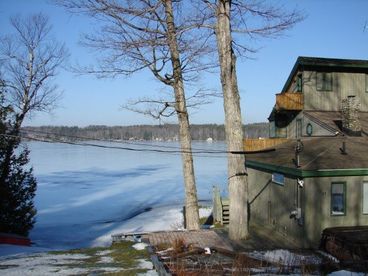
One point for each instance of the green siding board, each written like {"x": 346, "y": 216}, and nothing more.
{"x": 294, "y": 172}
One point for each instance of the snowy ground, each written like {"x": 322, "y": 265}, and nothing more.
{"x": 23, "y": 260}
{"x": 71, "y": 264}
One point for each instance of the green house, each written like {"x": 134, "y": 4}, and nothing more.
{"x": 318, "y": 178}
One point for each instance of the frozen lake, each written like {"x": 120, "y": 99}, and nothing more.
{"x": 86, "y": 193}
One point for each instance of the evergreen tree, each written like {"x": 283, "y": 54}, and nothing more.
{"x": 17, "y": 183}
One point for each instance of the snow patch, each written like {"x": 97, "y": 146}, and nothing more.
{"x": 285, "y": 257}
{"x": 329, "y": 256}
{"x": 345, "y": 272}
{"x": 44, "y": 264}
{"x": 45, "y": 259}
{"x": 140, "y": 246}
{"x": 145, "y": 222}
{"x": 106, "y": 260}
{"x": 104, "y": 252}
{"x": 143, "y": 264}
{"x": 205, "y": 212}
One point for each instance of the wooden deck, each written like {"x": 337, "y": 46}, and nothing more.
{"x": 262, "y": 144}
{"x": 289, "y": 101}
{"x": 199, "y": 238}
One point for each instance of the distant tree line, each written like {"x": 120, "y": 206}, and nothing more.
{"x": 141, "y": 132}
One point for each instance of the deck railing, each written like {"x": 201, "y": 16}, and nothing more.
{"x": 289, "y": 101}
{"x": 263, "y": 143}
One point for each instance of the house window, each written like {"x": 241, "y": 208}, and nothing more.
{"x": 338, "y": 199}
{"x": 324, "y": 81}
{"x": 278, "y": 178}
{"x": 299, "y": 83}
{"x": 365, "y": 198}
{"x": 366, "y": 83}
{"x": 272, "y": 129}
{"x": 298, "y": 128}
{"x": 309, "y": 129}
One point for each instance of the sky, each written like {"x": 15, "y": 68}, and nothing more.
{"x": 331, "y": 29}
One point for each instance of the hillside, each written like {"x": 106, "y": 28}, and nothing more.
{"x": 144, "y": 132}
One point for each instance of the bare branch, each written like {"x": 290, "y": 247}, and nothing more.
{"x": 30, "y": 61}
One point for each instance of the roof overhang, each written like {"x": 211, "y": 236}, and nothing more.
{"x": 326, "y": 65}
{"x": 300, "y": 173}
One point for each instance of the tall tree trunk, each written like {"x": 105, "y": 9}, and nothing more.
{"x": 238, "y": 186}
{"x": 191, "y": 201}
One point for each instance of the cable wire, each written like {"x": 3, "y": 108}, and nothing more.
{"x": 174, "y": 152}
{"x": 120, "y": 141}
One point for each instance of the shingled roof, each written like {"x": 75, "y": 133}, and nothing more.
{"x": 318, "y": 156}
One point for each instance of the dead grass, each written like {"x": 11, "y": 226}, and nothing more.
{"x": 123, "y": 256}
{"x": 184, "y": 260}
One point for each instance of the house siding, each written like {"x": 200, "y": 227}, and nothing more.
{"x": 272, "y": 205}
{"x": 343, "y": 85}
{"x": 318, "y": 131}
{"x": 317, "y": 206}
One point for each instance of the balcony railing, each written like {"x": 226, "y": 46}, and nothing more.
{"x": 262, "y": 143}
{"x": 289, "y": 101}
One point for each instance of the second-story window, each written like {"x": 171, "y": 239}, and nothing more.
{"x": 299, "y": 83}
{"x": 324, "y": 81}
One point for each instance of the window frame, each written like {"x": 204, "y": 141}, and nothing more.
{"x": 309, "y": 129}
{"x": 299, "y": 83}
{"x": 366, "y": 83}
{"x": 363, "y": 183}
{"x": 344, "y": 198}
{"x": 297, "y": 130}
{"x": 323, "y": 81}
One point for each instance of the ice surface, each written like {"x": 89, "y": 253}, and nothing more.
{"x": 85, "y": 194}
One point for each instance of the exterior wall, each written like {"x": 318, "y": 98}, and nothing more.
{"x": 272, "y": 206}
{"x": 317, "y": 130}
{"x": 293, "y": 87}
{"x": 343, "y": 85}
{"x": 276, "y": 132}
{"x": 317, "y": 206}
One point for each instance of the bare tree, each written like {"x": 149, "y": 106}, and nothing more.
{"x": 164, "y": 106}
{"x": 153, "y": 35}
{"x": 254, "y": 19}
{"x": 30, "y": 61}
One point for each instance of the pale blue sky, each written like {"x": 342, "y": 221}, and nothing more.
{"x": 333, "y": 28}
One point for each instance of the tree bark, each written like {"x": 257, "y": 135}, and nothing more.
{"x": 191, "y": 201}
{"x": 237, "y": 179}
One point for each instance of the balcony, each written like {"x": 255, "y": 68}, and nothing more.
{"x": 289, "y": 101}
{"x": 262, "y": 143}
